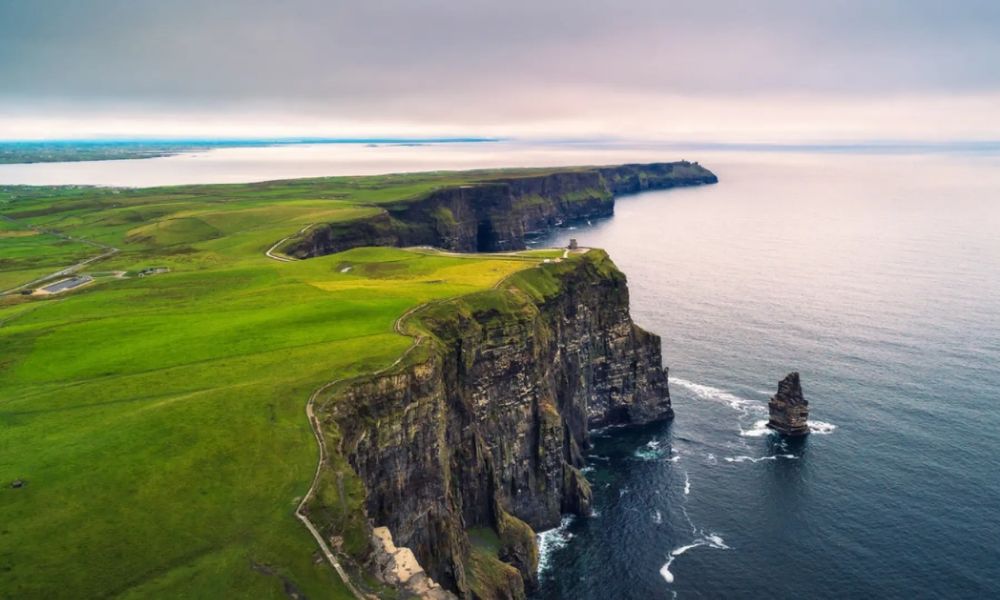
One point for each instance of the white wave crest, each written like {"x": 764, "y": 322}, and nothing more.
{"x": 651, "y": 451}
{"x": 759, "y": 429}
{"x": 739, "y": 459}
{"x": 712, "y": 540}
{"x": 551, "y": 540}
{"x": 821, "y": 427}
{"x": 714, "y": 394}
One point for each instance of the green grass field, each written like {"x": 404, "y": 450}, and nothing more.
{"x": 159, "y": 422}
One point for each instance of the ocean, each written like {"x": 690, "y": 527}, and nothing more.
{"x": 877, "y": 277}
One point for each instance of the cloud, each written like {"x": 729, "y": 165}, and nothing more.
{"x": 474, "y": 65}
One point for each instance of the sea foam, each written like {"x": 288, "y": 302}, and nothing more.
{"x": 651, "y": 451}
{"x": 739, "y": 459}
{"x": 551, "y": 540}
{"x": 714, "y": 394}
{"x": 712, "y": 540}
{"x": 758, "y": 429}
{"x": 821, "y": 427}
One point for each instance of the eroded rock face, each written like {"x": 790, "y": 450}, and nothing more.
{"x": 398, "y": 567}
{"x": 488, "y": 431}
{"x": 789, "y": 410}
{"x": 496, "y": 214}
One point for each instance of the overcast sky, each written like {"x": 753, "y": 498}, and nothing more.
{"x": 722, "y": 70}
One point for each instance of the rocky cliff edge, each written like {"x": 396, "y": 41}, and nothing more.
{"x": 475, "y": 439}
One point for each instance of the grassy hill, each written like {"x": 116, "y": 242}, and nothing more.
{"x": 158, "y": 422}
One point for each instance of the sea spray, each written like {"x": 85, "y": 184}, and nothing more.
{"x": 714, "y": 394}
{"x": 739, "y": 459}
{"x": 712, "y": 540}
{"x": 551, "y": 540}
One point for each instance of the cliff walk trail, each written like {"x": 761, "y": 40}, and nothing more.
{"x": 300, "y": 511}
{"x": 282, "y": 258}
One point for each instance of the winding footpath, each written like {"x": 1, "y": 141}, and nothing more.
{"x": 282, "y": 258}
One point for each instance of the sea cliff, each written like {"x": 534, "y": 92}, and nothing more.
{"x": 497, "y": 212}
{"x": 475, "y": 439}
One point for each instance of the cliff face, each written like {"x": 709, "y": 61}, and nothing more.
{"x": 788, "y": 409}
{"x": 482, "y": 429}
{"x": 496, "y": 214}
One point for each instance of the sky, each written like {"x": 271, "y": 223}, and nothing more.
{"x": 698, "y": 70}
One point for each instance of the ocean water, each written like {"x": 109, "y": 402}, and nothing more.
{"x": 878, "y": 279}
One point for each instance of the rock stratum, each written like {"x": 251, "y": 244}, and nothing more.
{"x": 498, "y": 212}
{"x": 788, "y": 409}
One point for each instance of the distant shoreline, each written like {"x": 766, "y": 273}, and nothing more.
{"x": 33, "y": 152}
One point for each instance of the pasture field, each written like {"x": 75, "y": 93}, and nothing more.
{"x": 158, "y": 422}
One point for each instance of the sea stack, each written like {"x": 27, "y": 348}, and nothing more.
{"x": 789, "y": 410}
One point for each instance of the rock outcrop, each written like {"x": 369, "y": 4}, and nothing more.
{"x": 398, "y": 567}
{"x": 788, "y": 409}
{"x": 482, "y": 427}
{"x": 496, "y": 214}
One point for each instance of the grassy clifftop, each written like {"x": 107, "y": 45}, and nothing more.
{"x": 156, "y": 422}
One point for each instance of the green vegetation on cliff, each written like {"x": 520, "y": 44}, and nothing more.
{"x": 157, "y": 422}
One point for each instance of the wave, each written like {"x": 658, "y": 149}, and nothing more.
{"x": 552, "y": 540}
{"x": 758, "y": 429}
{"x": 821, "y": 427}
{"x": 651, "y": 451}
{"x": 739, "y": 459}
{"x": 714, "y": 394}
{"x": 712, "y": 540}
